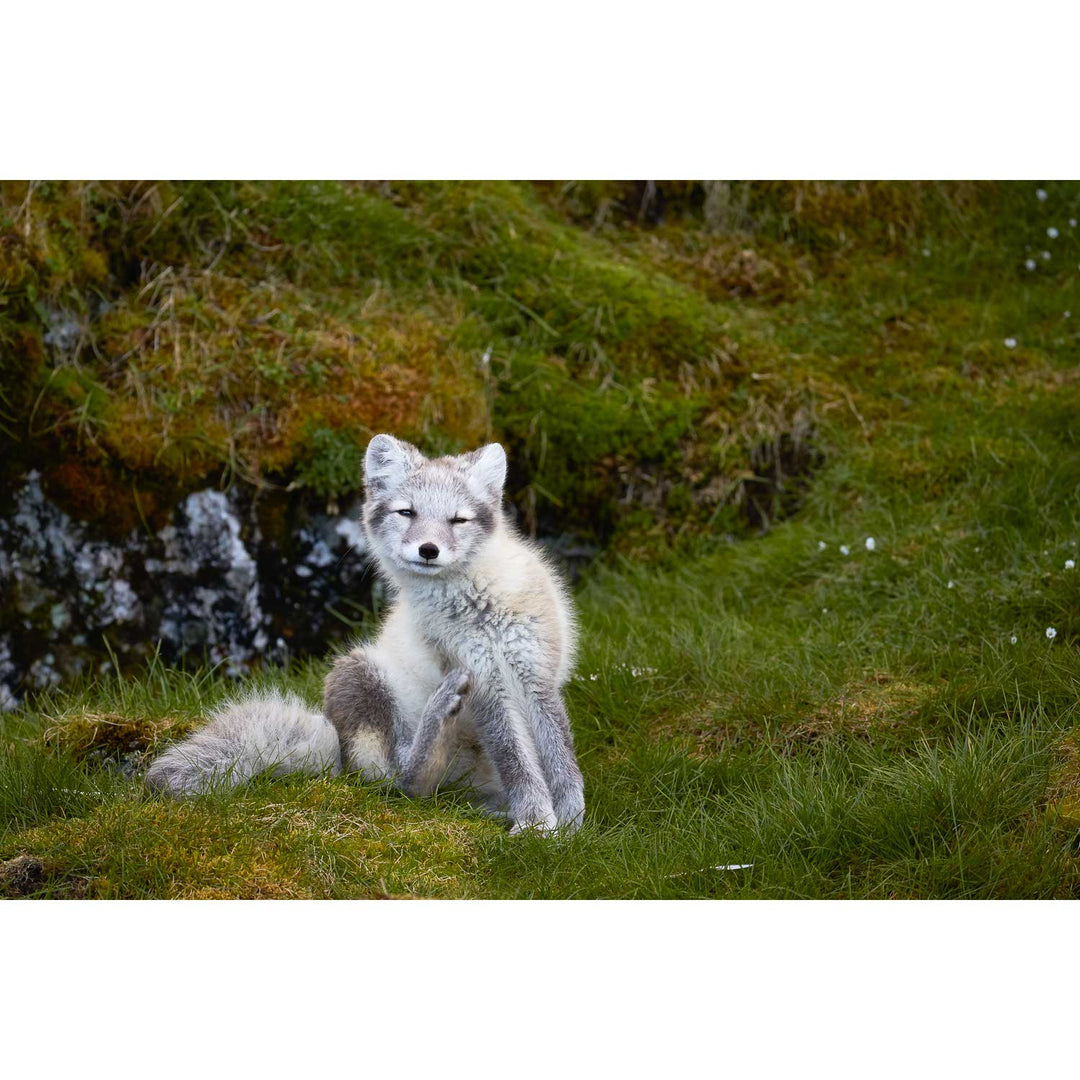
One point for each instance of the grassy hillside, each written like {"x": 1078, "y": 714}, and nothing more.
{"x": 728, "y": 388}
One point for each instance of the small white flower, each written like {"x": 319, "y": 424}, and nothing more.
{"x": 1012, "y": 640}
{"x": 844, "y": 549}
{"x": 951, "y": 585}
{"x": 593, "y": 677}
{"x": 926, "y": 253}
{"x": 1072, "y": 223}
{"x": 1068, "y": 314}
{"x": 1030, "y": 264}
{"x": 1010, "y": 343}
{"x": 1052, "y": 233}
{"x": 1051, "y": 633}
{"x": 1046, "y": 256}
{"x": 870, "y": 543}
{"x": 821, "y": 545}
{"x": 824, "y": 611}
{"x": 1070, "y": 564}
{"x": 1040, "y": 195}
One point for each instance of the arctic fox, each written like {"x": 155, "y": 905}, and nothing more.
{"x": 464, "y": 680}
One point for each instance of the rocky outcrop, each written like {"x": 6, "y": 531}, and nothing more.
{"x": 212, "y": 585}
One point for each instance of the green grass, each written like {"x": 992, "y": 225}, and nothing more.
{"x": 849, "y": 724}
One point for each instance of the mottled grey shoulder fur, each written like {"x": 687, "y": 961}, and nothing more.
{"x": 463, "y": 681}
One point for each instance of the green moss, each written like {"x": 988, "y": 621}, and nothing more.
{"x": 731, "y": 337}
{"x": 333, "y": 463}
{"x": 271, "y": 328}
{"x": 329, "y": 840}
{"x": 582, "y": 445}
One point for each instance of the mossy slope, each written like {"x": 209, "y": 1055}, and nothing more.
{"x": 650, "y": 380}
{"x": 888, "y": 722}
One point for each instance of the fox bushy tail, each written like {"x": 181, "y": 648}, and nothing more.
{"x": 260, "y": 732}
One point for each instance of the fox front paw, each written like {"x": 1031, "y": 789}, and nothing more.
{"x": 452, "y": 691}
{"x": 542, "y": 824}
{"x": 570, "y": 811}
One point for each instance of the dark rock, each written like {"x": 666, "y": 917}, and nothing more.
{"x": 21, "y": 875}
{"x": 206, "y": 587}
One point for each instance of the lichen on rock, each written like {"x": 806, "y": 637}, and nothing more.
{"x": 206, "y": 586}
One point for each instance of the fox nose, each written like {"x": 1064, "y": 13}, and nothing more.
{"x": 429, "y": 551}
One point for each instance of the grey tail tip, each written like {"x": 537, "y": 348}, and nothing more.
{"x": 159, "y": 781}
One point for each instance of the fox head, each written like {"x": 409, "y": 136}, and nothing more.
{"x": 430, "y": 516}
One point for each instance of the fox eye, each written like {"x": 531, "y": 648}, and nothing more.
{"x": 458, "y": 520}
{"x": 405, "y": 513}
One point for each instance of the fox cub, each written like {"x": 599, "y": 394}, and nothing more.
{"x": 463, "y": 682}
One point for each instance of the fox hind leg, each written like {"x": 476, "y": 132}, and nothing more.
{"x": 360, "y": 705}
{"x": 376, "y": 740}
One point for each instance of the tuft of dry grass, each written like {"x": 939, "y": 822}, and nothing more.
{"x": 1063, "y": 790}
{"x": 84, "y": 732}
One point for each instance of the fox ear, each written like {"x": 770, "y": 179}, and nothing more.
{"x": 487, "y": 468}
{"x": 388, "y": 461}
